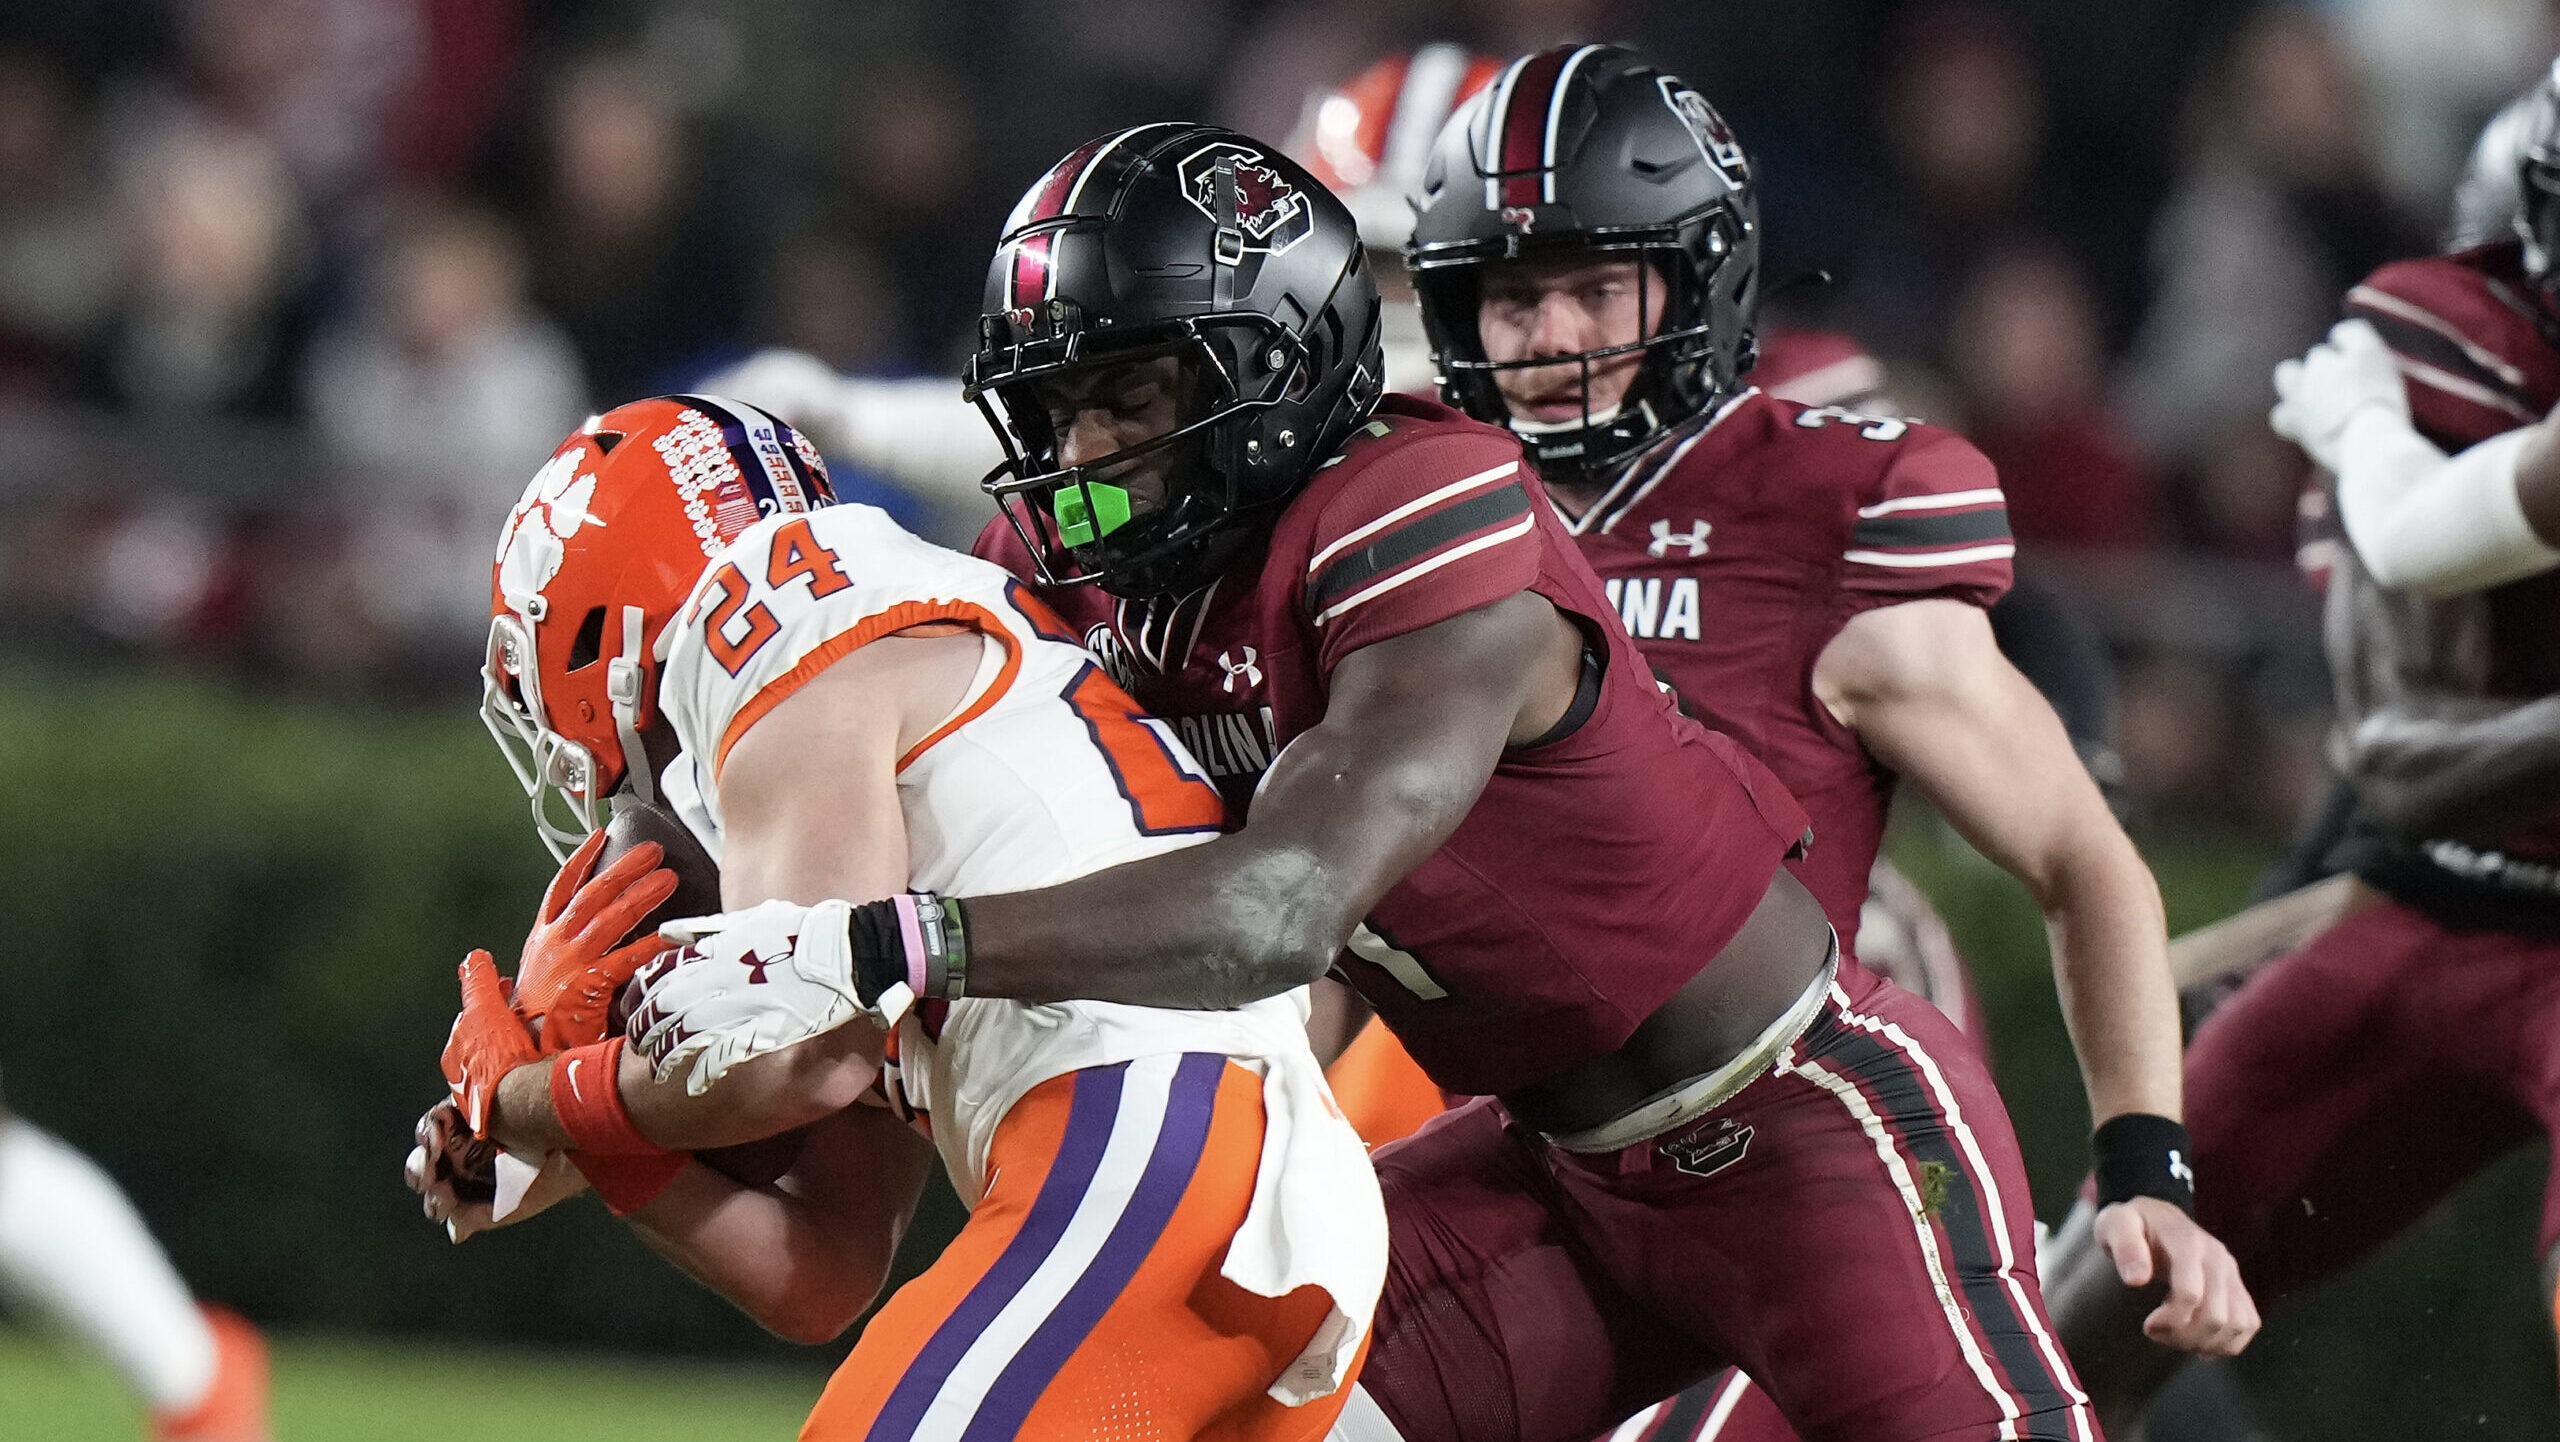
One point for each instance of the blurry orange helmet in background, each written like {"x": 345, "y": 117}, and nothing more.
{"x": 1368, "y": 140}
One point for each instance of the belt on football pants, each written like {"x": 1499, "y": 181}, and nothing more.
{"x": 1699, "y": 1095}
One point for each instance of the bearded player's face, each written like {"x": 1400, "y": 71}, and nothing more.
{"x": 1558, "y": 307}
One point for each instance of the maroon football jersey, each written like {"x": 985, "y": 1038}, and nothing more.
{"x": 1736, "y": 551}
{"x": 1596, "y": 874}
{"x": 2475, "y": 342}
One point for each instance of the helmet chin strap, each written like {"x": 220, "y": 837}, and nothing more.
{"x": 624, "y": 680}
{"x": 1593, "y": 420}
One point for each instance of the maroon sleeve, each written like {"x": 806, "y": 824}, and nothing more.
{"x": 2466, "y": 355}
{"x": 1416, "y": 532}
{"x": 1000, "y": 543}
{"x": 1933, "y": 523}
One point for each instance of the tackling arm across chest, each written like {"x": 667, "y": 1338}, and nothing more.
{"x": 1413, "y": 728}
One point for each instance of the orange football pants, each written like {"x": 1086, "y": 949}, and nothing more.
{"x": 1083, "y": 1301}
{"x": 1381, "y": 1088}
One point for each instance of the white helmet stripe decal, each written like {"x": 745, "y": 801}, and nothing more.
{"x": 1555, "y": 115}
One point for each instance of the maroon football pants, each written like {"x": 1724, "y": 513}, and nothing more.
{"x": 2346, "y": 1089}
{"x": 1852, "y": 1229}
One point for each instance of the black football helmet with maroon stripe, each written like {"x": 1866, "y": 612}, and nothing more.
{"x": 1591, "y": 148}
{"x": 1191, "y": 241}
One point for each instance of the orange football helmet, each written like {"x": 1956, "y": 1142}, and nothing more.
{"x": 1368, "y": 141}
{"x": 595, "y": 560}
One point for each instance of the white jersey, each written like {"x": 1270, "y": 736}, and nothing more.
{"x": 1045, "y": 771}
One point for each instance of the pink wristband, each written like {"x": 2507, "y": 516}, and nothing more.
{"x": 911, "y": 934}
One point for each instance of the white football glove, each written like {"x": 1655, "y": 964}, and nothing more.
{"x": 2337, "y": 382}
{"x": 746, "y": 984}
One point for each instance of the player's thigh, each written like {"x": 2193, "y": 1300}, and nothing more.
{"x": 1495, "y": 1326}
{"x": 2334, "y": 1099}
{"x": 1083, "y": 1297}
{"x": 1867, "y": 1251}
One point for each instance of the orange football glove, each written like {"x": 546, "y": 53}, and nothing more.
{"x": 488, "y": 1041}
{"x": 567, "y": 978}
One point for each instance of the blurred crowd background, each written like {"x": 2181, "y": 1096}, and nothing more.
{"x": 295, "y": 293}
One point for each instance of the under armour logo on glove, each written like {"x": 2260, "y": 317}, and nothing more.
{"x": 1664, "y": 539}
{"x": 747, "y": 984}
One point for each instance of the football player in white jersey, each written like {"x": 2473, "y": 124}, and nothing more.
{"x": 1171, "y": 1225}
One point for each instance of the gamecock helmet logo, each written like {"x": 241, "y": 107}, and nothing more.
{"x": 1270, "y": 212}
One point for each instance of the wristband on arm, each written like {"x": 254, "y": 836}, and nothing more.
{"x": 626, "y": 1169}
{"x": 2141, "y": 1155}
{"x": 916, "y": 940}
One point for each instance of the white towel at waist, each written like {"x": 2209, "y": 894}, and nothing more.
{"x": 1316, "y": 1220}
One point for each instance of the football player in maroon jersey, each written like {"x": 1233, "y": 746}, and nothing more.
{"x": 1367, "y": 140}
{"x": 1810, "y": 580}
{"x": 2426, "y": 1022}
{"x": 1698, "y": 1141}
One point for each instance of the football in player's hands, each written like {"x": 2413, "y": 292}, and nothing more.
{"x": 697, "y": 876}
{"x": 756, "y": 1164}
{"x": 751, "y": 1164}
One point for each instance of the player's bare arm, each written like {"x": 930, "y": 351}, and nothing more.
{"x": 1413, "y": 730}
{"x": 2441, "y": 765}
{"x": 808, "y": 1263}
{"x": 1925, "y": 687}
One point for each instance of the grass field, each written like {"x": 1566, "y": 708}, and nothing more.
{"x": 336, "y": 1391}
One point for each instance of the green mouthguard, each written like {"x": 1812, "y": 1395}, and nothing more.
{"x": 1080, "y": 524}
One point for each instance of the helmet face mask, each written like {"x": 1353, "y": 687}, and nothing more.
{"x": 1590, "y": 152}
{"x": 1679, "y": 367}
{"x": 1139, "y": 509}
{"x": 1180, "y": 241}
{"x": 557, "y": 774}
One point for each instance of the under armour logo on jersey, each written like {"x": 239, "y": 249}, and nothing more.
{"x": 1520, "y": 218}
{"x": 1663, "y": 539}
{"x": 1245, "y": 668}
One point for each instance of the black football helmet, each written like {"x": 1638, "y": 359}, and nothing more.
{"x": 1591, "y": 148}
{"x": 2536, "y": 138}
{"x": 1191, "y": 241}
